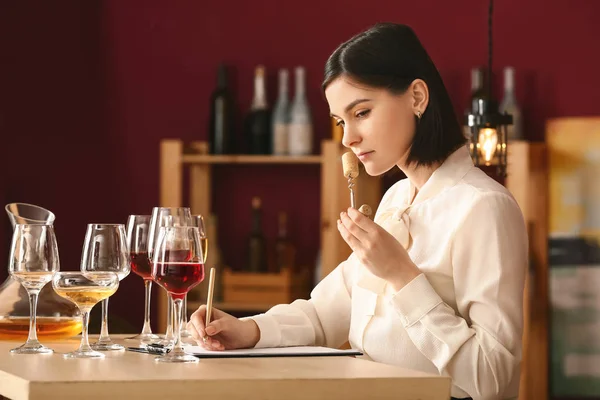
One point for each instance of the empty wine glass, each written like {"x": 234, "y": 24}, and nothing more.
{"x": 85, "y": 289}
{"x": 197, "y": 221}
{"x": 164, "y": 217}
{"x": 178, "y": 266}
{"x": 105, "y": 249}
{"x": 137, "y": 239}
{"x": 33, "y": 262}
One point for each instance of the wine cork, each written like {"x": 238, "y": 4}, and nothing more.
{"x": 350, "y": 165}
{"x": 366, "y": 210}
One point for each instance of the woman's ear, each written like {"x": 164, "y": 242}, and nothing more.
{"x": 420, "y": 96}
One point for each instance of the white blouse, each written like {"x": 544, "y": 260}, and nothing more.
{"x": 462, "y": 317}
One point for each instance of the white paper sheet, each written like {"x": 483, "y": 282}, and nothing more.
{"x": 299, "y": 351}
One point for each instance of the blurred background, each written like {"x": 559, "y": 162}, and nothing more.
{"x": 89, "y": 89}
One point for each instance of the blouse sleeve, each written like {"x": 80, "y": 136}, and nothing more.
{"x": 323, "y": 320}
{"x": 480, "y": 348}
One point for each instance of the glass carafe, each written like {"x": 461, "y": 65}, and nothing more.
{"x": 57, "y": 318}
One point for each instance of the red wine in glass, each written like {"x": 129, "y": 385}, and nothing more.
{"x": 140, "y": 264}
{"x": 178, "y": 278}
{"x": 178, "y": 256}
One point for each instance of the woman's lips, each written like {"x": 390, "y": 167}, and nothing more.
{"x": 364, "y": 155}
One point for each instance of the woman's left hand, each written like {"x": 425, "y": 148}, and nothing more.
{"x": 377, "y": 249}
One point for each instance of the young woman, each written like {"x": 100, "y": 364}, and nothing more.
{"x": 435, "y": 282}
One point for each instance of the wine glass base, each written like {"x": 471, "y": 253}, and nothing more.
{"x": 108, "y": 346}
{"x": 143, "y": 338}
{"x": 189, "y": 341}
{"x": 36, "y": 348}
{"x": 185, "y": 333}
{"x": 165, "y": 342}
{"x": 183, "y": 358}
{"x": 84, "y": 354}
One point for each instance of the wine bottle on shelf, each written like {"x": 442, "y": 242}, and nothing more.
{"x": 301, "y": 127}
{"x": 257, "y": 248}
{"x": 510, "y": 106}
{"x": 284, "y": 249}
{"x": 221, "y": 125}
{"x": 477, "y": 88}
{"x": 477, "y": 92}
{"x": 257, "y": 124}
{"x": 281, "y": 116}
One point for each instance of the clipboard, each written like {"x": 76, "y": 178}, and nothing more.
{"x": 295, "y": 351}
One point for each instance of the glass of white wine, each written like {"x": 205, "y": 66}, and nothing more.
{"x": 85, "y": 289}
{"x": 105, "y": 249}
{"x": 33, "y": 262}
{"x": 197, "y": 221}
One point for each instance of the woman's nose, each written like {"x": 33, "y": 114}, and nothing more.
{"x": 351, "y": 137}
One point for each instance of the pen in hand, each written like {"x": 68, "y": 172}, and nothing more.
{"x": 211, "y": 286}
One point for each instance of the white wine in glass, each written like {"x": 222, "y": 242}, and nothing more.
{"x": 204, "y": 245}
{"x": 33, "y": 262}
{"x": 85, "y": 289}
{"x": 105, "y": 249}
{"x": 197, "y": 221}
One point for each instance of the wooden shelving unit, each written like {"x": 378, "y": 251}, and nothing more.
{"x": 527, "y": 180}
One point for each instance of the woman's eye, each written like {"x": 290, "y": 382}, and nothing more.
{"x": 339, "y": 123}
{"x": 362, "y": 114}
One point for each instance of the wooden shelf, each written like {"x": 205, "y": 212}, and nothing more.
{"x": 228, "y": 307}
{"x": 249, "y": 159}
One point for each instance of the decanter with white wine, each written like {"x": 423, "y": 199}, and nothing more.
{"x": 57, "y": 318}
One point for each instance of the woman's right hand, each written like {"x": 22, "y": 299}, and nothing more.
{"x": 224, "y": 332}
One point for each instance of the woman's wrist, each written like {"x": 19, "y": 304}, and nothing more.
{"x": 403, "y": 277}
{"x": 253, "y": 332}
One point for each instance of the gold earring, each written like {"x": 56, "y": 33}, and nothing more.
{"x": 419, "y": 114}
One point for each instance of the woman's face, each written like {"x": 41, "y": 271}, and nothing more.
{"x": 378, "y": 126}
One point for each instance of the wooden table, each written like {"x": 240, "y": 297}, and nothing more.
{"x": 129, "y": 375}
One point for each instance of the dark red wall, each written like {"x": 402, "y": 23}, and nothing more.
{"x": 88, "y": 90}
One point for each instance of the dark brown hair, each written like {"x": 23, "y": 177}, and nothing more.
{"x": 391, "y": 57}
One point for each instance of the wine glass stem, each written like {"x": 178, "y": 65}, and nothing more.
{"x": 169, "y": 333}
{"x": 33, "y": 299}
{"x": 177, "y": 347}
{"x": 184, "y": 313}
{"x": 148, "y": 286}
{"x": 104, "y": 330}
{"x": 85, "y": 344}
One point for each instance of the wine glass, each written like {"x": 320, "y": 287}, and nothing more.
{"x": 163, "y": 217}
{"x": 85, "y": 289}
{"x": 33, "y": 262}
{"x": 178, "y": 266}
{"x": 137, "y": 240}
{"x": 197, "y": 221}
{"x": 105, "y": 249}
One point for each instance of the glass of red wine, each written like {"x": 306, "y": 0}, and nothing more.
{"x": 178, "y": 266}
{"x": 138, "y": 227}
{"x": 164, "y": 217}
